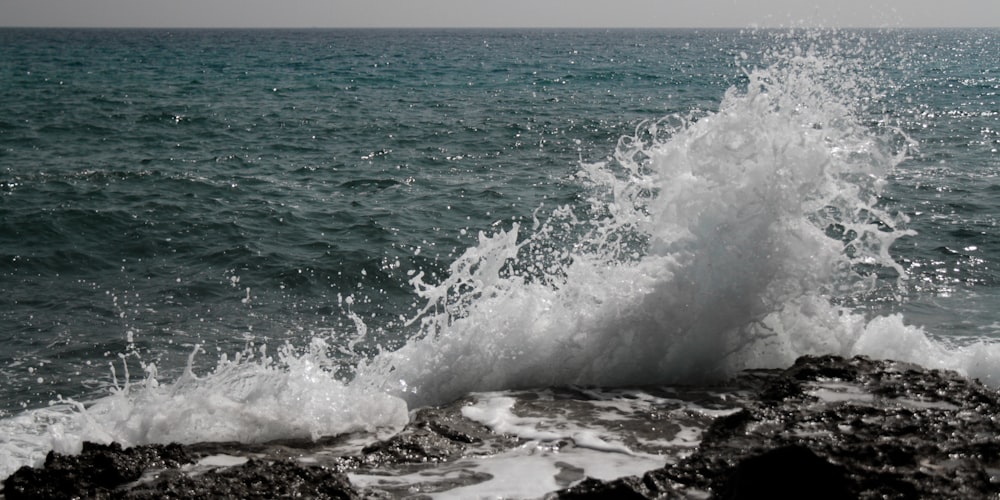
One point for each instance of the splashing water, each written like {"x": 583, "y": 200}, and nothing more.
{"x": 713, "y": 242}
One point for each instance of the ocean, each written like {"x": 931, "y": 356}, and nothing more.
{"x": 250, "y": 235}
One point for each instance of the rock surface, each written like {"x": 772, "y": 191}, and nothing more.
{"x": 827, "y": 427}
{"x": 834, "y": 428}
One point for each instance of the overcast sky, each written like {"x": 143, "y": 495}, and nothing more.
{"x": 500, "y": 13}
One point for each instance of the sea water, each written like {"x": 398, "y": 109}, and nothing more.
{"x": 253, "y": 235}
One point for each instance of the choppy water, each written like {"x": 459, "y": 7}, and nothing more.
{"x": 352, "y": 223}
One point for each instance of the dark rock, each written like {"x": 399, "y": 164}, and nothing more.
{"x": 416, "y": 446}
{"x": 626, "y": 488}
{"x": 811, "y": 368}
{"x": 434, "y": 435}
{"x": 254, "y": 480}
{"x": 105, "y": 472}
{"x": 789, "y": 472}
{"x": 829, "y": 427}
{"x": 97, "y": 468}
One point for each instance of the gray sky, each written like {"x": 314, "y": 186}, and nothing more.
{"x": 500, "y": 13}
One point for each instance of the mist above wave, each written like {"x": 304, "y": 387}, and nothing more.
{"x": 711, "y": 243}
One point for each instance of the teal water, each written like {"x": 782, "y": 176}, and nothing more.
{"x": 151, "y": 177}
{"x": 228, "y": 189}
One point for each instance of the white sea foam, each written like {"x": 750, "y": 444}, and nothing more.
{"x": 528, "y": 471}
{"x": 495, "y": 411}
{"x": 246, "y": 400}
{"x": 711, "y": 244}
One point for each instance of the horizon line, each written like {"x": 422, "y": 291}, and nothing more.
{"x": 375, "y": 27}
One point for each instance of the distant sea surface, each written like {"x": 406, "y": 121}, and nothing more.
{"x": 286, "y": 233}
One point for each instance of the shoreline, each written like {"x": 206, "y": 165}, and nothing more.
{"x": 826, "y": 427}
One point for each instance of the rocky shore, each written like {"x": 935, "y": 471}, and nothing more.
{"x": 827, "y": 427}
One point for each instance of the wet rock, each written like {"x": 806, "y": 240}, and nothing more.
{"x": 788, "y": 472}
{"x": 416, "y": 446}
{"x": 433, "y": 435}
{"x": 148, "y": 472}
{"x": 255, "y": 479}
{"x": 626, "y": 488}
{"x": 830, "y": 427}
{"x": 96, "y": 469}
